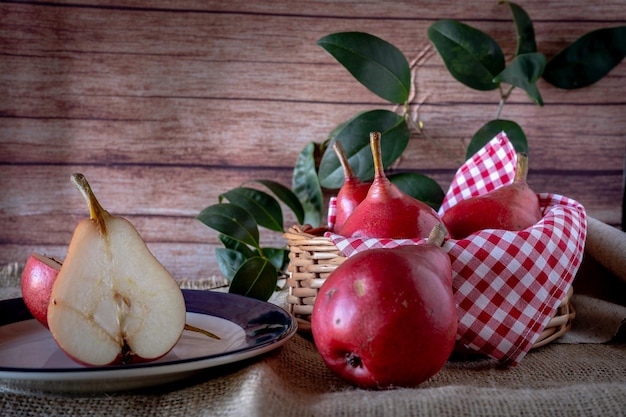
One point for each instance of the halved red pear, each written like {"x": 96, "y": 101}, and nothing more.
{"x": 113, "y": 302}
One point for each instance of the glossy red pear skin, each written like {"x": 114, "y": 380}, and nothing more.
{"x": 350, "y": 195}
{"x": 387, "y": 317}
{"x": 386, "y": 211}
{"x": 38, "y": 277}
{"x": 511, "y": 207}
{"x": 352, "y": 192}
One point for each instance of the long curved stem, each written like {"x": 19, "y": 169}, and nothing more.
{"x": 343, "y": 159}
{"x": 379, "y": 170}
{"x": 96, "y": 212}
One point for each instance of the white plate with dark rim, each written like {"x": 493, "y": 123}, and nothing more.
{"x": 31, "y": 361}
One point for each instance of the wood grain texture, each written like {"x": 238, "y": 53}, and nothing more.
{"x": 164, "y": 105}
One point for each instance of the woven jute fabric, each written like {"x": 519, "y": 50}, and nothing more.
{"x": 560, "y": 379}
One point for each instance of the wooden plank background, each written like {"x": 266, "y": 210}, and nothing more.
{"x": 163, "y": 105}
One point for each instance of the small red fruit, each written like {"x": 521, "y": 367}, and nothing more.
{"x": 38, "y": 277}
{"x": 351, "y": 193}
{"x": 511, "y": 207}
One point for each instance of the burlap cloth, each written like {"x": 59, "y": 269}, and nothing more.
{"x": 582, "y": 376}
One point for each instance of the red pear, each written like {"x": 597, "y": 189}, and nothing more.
{"x": 387, "y": 317}
{"x": 113, "y": 301}
{"x": 351, "y": 193}
{"x": 38, "y": 277}
{"x": 386, "y": 211}
{"x": 511, "y": 207}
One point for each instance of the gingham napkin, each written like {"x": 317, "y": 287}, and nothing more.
{"x": 507, "y": 285}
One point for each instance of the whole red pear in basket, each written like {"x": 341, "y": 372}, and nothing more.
{"x": 38, "y": 277}
{"x": 387, "y": 317}
{"x": 351, "y": 193}
{"x": 386, "y": 211}
{"x": 510, "y": 207}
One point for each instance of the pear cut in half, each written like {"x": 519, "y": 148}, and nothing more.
{"x": 113, "y": 302}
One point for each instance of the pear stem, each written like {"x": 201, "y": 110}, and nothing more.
{"x": 521, "y": 169}
{"x": 201, "y": 331}
{"x": 437, "y": 235}
{"x": 343, "y": 160}
{"x": 377, "y": 154}
{"x": 96, "y": 211}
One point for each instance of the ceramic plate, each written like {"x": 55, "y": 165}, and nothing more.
{"x": 31, "y": 361}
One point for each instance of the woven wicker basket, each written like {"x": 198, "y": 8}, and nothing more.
{"x": 313, "y": 257}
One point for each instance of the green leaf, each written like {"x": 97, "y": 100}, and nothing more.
{"x": 470, "y": 55}
{"x": 279, "y": 257}
{"x": 355, "y": 139}
{"x": 374, "y": 62}
{"x": 525, "y": 31}
{"x": 256, "y": 278}
{"x": 229, "y": 261}
{"x": 588, "y": 59}
{"x": 307, "y": 187}
{"x": 285, "y": 195}
{"x": 262, "y": 206}
{"x": 523, "y": 72}
{"x": 420, "y": 187}
{"x": 235, "y": 245}
{"x": 513, "y": 131}
{"x": 233, "y": 221}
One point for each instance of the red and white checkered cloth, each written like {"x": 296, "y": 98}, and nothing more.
{"x": 507, "y": 285}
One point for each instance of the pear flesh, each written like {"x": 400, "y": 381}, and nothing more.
{"x": 113, "y": 302}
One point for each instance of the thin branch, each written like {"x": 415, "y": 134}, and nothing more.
{"x": 412, "y": 109}
{"x": 418, "y": 126}
{"x": 504, "y": 96}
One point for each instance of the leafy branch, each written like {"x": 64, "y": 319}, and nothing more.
{"x": 470, "y": 55}
{"x": 251, "y": 268}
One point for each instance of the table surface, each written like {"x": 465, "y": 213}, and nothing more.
{"x": 560, "y": 379}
